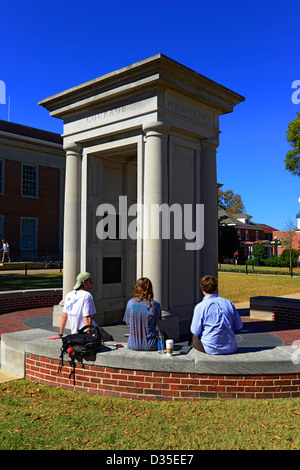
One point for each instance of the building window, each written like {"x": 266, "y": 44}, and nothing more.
{"x": 247, "y": 234}
{"x": 29, "y": 180}
{"x": 29, "y": 233}
{"x": 1, "y": 176}
{"x": 239, "y": 234}
{"x": 257, "y": 235}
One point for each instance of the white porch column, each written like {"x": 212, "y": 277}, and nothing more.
{"x": 209, "y": 197}
{"x": 72, "y": 217}
{"x": 155, "y": 181}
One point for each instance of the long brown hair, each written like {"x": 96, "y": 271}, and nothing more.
{"x": 143, "y": 290}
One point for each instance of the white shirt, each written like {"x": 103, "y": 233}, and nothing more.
{"x": 78, "y": 304}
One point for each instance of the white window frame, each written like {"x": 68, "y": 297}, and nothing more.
{"x": 36, "y": 195}
{"x": 23, "y": 246}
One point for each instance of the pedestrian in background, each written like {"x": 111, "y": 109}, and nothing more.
{"x": 6, "y": 250}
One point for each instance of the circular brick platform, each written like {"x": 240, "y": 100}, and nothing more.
{"x": 262, "y": 367}
{"x": 159, "y": 386}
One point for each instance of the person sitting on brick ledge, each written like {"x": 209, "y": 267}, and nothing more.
{"x": 214, "y": 321}
{"x": 79, "y": 308}
{"x": 142, "y": 315}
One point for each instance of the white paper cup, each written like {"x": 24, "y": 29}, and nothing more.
{"x": 169, "y": 347}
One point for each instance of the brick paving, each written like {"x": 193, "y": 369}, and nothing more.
{"x": 287, "y": 332}
{"x": 13, "y": 321}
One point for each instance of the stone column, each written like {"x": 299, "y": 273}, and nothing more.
{"x": 72, "y": 217}
{"x": 209, "y": 197}
{"x": 155, "y": 181}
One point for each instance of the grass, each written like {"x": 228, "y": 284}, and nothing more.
{"x": 36, "y": 417}
{"x": 258, "y": 269}
{"x": 31, "y": 281}
{"x": 236, "y": 286}
{"x": 240, "y": 287}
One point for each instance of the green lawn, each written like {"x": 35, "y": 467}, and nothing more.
{"x": 236, "y": 286}
{"x": 240, "y": 287}
{"x": 31, "y": 281}
{"x": 36, "y": 417}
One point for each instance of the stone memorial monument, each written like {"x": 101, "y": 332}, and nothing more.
{"x": 141, "y": 184}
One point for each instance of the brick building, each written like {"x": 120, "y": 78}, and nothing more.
{"x": 248, "y": 232}
{"x": 32, "y": 174}
{"x": 283, "y": 238}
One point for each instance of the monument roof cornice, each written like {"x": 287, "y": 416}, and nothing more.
{"x": 158, "y": 71}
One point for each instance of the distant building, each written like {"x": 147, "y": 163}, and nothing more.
{"x": 248, "y": 232}
{"x": 32, "y": 175}
{"x": 284, "y": 235}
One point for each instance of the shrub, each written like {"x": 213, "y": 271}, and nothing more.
{"x": 259, "y": 250}
{"x": 285, "y": 255}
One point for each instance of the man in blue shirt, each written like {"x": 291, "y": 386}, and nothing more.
{"x": 214, "y": 321}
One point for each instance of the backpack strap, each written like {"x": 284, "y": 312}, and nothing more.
{"x": 96, "y": 331}
{"x": 85, "y": 327}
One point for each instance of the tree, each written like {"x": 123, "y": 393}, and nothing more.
{"x": 288, "y": 241}
{"x": 292, "y": 159}
{"x": 259, "y": 250}
{"x": 230, "y": 202}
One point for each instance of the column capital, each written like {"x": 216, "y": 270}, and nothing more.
{"x": 158, "y": 127}
{"x": 210, "y": 143}
{"x": 72, "y": 147}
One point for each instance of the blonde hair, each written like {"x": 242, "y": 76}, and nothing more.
{"x": 143, "y": 290}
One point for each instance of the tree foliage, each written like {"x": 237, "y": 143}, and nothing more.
{"x": 292, "y": 159}
{"x": 230, "y": 202}
{"x": 259, "y": 250}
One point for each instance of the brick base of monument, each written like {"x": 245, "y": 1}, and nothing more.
{"x": 158, "y": 386}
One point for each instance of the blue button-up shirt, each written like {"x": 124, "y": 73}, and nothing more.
{"x": 214, "y": 321}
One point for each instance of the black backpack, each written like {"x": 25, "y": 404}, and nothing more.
{"x": 81, "y": 345}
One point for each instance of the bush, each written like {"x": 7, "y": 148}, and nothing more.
{"x": 281, "y": 262}
{"x": 251, "y": 262}
{"x": 259, "y": 250}
{"x": 275, "y": 262}
{"x": 285, "y": 255}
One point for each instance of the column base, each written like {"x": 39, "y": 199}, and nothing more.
{"x": 170, "y": 325}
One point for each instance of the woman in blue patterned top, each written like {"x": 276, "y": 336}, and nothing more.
{"x": 142, "y": 315}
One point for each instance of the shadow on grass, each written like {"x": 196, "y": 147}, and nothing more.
{"x": 34, "y": 281}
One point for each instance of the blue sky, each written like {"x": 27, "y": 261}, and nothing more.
{"x": 252, "y": 48}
